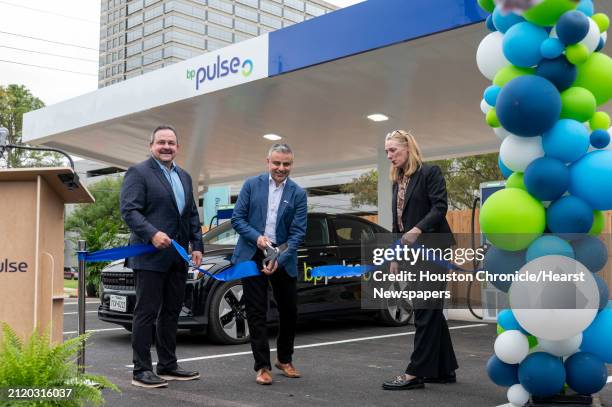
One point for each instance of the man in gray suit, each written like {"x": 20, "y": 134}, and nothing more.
{"x": 158, "y": 206}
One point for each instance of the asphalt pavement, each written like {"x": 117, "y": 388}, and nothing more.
{"x": 343, "y": 362}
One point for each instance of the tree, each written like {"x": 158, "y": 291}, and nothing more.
{"x": 15, "y": 101}
{"x": 463, "y": 177}
{"x": 364, "y": 189}
{"x": 99, "y": 224}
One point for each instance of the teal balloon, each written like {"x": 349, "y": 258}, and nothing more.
{"x": 591, "y": 179}
{"x": 549, "y": 245}
{"x": 522, "y": 42}
{"x": 566, "y": 141}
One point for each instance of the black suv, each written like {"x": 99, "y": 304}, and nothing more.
{"x": 217, "y": 308}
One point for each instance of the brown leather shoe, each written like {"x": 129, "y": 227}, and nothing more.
{"x": 288, "y": 369}
{"x": 263, "y": 377}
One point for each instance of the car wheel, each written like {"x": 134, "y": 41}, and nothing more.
{"x": 227, "y": 321}
{"x": 396, "y": 311}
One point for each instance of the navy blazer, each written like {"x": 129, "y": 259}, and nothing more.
{"x": 425, "y": 206}
{"x": 249, "y": 220}
{"x": 148, "y": 206}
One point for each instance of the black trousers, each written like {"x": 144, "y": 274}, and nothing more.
{"x": 256, "y": 301}
{"x": 159, "y": 299}
{"x": 433, "y": 353}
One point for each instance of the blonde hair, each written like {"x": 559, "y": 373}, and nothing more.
{"x": 415, "y": 158}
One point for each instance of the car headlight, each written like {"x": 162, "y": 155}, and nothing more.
{"x": 195, "y": 274}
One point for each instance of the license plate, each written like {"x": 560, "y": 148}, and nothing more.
{"x": 118, "y": 303}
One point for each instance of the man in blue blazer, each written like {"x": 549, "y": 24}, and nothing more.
{"x": 157, "y": 204}
{"x": 271, "y": 211}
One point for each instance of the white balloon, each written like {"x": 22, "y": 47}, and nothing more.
{"x": 518, "y": 152}
{"x": 564, "y": 347}
{"x": 591, "y": 41}
{"x": 485, "y": 107}
{"x": 511, "y": 347}
{"x": 554, "y": 310}
{"x": 501, "y": 133}
{"x": 490, "y": 55}
{"x": 517, "y": 395}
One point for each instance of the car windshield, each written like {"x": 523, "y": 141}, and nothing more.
{"x": 223, "y": 234}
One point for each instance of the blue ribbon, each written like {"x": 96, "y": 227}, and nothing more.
{"x": 235, "y": 272}
{"x": 117, "y": 253}
{"x": 338, "y": 270}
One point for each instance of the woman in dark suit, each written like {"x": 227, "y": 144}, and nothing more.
{"x": 419, "y": 206}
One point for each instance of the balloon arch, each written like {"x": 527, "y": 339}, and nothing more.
{"x": 549, "y": 77}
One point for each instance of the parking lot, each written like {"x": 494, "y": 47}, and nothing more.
{"x": 343, "y": 363}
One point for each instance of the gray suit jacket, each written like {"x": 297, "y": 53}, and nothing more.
{"x": 148, "y": 206}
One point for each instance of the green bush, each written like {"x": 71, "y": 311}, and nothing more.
{"x": 38, "y": 363}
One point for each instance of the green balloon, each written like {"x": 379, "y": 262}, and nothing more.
{"x": 512, "y": 219}
{"x": 548, "y": 12}
{"x": 533, "y": 341}
{"x": 602, "y": 21}
{"x": 595, "y": 74}
{"x": 487, "y": 5}
{"x": 599, "y": 223}
{"x": 600, "y": 121}
{"x": 492, "y": 119}
{"x": 509, "y": 72}
{"x": 578, "y": 104}
{"x": 516, "y": 181}
{"x": 500, "y": 330}
{"x": 577, "y": 53}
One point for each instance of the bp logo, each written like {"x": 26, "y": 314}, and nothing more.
{"x": 219, "y": 69}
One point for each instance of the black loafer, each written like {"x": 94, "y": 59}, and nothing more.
{"x": 444, "y": 379}
{"x": 178, "y": 374}
{"x": 148, "y": 379}
{"x": 400, "y": 383}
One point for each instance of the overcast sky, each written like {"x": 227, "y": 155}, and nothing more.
{"x": 74, "y": 26}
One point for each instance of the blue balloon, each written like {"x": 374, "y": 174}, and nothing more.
{"x": 567, "y": 140}
{"x": 489, "y": 23}
{"x": 585, "y": 373}
{"x": 591, "y": 179}
{"x": 528, "y": 105}
{"x": 542, "y": 374}
{"x": 508, "y": 322}
{"x": 591, "y": 252}
{"x": 546, "y": 178}
{"x": 522, "y": 42}
{"x": 569, "y": 214}
{"x": 586, "y": 7}
{"x": 601, "y": 44}
{"x": 552, "y": 48}
{"x": 572, "y": 27}
{"x": 559, "y": 71}
{"x": 490, "y": 94}
{"x": 600, "y": 138}
{"x": 549, "y": 245}
{"x": 506, "y": 172}
{"x": 604, "y": 293}
{"x": 596, "y": 338}
{"x": 504, "y": 20}
{"x": 498, "y": 261}
{"x": 502, "y": 374}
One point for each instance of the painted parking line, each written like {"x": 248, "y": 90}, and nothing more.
{"x": 95, "y": 330}
{"x": 609, "y": 379}
{"x": 76, "y": 312}
{"x": 314, "y": 345}
{"x": 86, "y": 302}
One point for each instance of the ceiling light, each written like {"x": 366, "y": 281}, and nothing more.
{"x": 378, "y": 117}
{"x": 272, "y": 137}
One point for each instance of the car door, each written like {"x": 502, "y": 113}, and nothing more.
{"x": 317, "y": 250}
{"x": 350, "y": 231}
